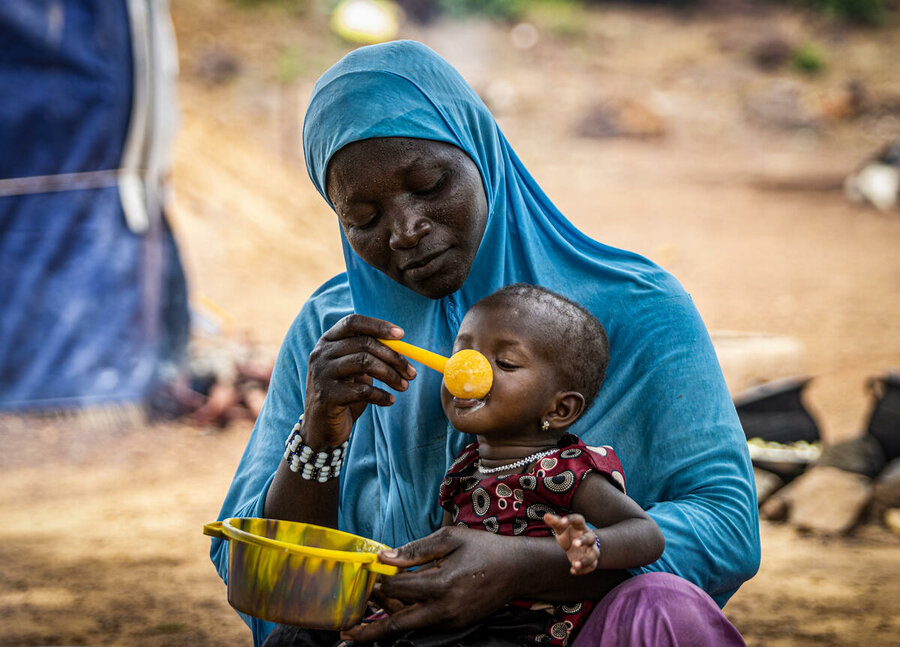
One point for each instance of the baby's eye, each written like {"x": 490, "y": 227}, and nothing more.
{"x": 506, "y": 365}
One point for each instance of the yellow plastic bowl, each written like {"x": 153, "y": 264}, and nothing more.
{"x": 297, "y": 573}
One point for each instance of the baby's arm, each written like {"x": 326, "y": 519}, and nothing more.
{"x": 627, "y": 536}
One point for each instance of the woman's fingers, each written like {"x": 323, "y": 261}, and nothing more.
{"x": 465, "y": 582}
{"x": 351, "y": 392}
{"x": 351, "y": 348}
{"x": 356, "y": 324}
{"x": 417, "y": 585}
{"x": 421, "y": 551}
{"x": 363, "y": 362}
{"x": 369, "y": 330}
{"x": 429, "y": 580}
{"x": 397, "y": 590}
{"x": 404, "y": 620}
{"x": 389, "y": 604}
{"x": 342, "y": 367}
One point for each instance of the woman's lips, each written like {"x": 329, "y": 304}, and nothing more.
{"x": 418, "y": 270}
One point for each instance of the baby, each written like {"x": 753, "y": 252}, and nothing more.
{"x": 525, "y": 475}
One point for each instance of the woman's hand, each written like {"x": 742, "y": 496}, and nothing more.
{"x": 470, "y": 577}
{"x": 339, "y": 380}
{"x": 342, "y": 366}
{"x": 469, "y": 574}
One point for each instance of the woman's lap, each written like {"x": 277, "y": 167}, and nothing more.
{"x": 658, "y": 610}
{"x": 653, "y": 610}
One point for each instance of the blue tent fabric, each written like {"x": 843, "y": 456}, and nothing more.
{"x": 89, "y": 310}
{"x": 66, "y": 72}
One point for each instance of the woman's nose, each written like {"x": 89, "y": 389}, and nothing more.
{"x": 408, "y": 228}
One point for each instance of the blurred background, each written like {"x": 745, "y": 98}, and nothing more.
{"x": 158, "y": 234}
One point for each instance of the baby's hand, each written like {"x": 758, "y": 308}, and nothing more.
{"x": 577, "y": 540}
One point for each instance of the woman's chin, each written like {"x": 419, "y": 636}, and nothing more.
{"x": 436, "y": 287}
{"x": 450, "y": 275}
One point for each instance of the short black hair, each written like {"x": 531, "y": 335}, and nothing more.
{"x": 578, "y": 344}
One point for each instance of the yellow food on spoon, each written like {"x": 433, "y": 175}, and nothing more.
{"x": 467, "y": 373}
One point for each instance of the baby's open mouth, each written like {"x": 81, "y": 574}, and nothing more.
{"x": 468, "y": 403}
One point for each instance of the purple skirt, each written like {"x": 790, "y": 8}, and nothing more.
{"x": 658, "y": 610}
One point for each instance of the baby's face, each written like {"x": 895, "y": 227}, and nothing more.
{"x": 514, "y": 341}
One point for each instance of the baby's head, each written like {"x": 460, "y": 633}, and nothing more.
{"x": 548, "y": 354}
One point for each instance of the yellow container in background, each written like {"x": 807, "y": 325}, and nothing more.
{"x": 297, "y": 573}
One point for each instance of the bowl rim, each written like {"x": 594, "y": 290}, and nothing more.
{"x": 233, "y": 532}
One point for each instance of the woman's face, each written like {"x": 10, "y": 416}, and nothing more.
{"x": 414, "y": 209}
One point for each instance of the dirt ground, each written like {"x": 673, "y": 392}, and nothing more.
{"x": 100, "y": 540}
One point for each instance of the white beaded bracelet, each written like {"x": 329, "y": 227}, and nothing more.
{"x": 313, "y": 466}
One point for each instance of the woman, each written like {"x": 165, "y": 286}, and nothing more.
{"x": 437, "y": 212}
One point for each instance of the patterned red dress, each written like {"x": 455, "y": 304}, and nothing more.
{"x": 515, "y": 504}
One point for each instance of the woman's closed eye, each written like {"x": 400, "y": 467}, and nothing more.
{"x": 432, "y": 188}
{"x": 362, "y": 221}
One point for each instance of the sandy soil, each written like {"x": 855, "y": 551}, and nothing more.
{"x": 100, "y": 540}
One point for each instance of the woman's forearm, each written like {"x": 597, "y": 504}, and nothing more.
{"x": 294, "y": 498}
{"x": 541, "y": 571}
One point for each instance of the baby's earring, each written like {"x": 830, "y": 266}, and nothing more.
{"x": 545, "y": 425}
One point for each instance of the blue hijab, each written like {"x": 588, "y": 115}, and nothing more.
{"x": 664, "y": 405}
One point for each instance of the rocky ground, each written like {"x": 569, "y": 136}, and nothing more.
{"x": 727, "y": 171}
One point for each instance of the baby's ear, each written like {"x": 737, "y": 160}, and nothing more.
{"x": 569, "y": 406}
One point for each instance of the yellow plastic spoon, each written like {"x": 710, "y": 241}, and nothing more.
{"x": 467, "y": 373}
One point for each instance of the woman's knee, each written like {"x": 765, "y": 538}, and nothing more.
{"x": 657, "y": 609}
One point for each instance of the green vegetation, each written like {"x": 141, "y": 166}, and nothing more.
{"x": 809, "y": 59}
{"x": 563, "y": 18}
{"x": 498, "y": 9}
{"x": 867, "y": 12}
{"x": 290, "y": 65}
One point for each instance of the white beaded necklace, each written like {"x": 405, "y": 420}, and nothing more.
{"x": 510, "y": 466}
